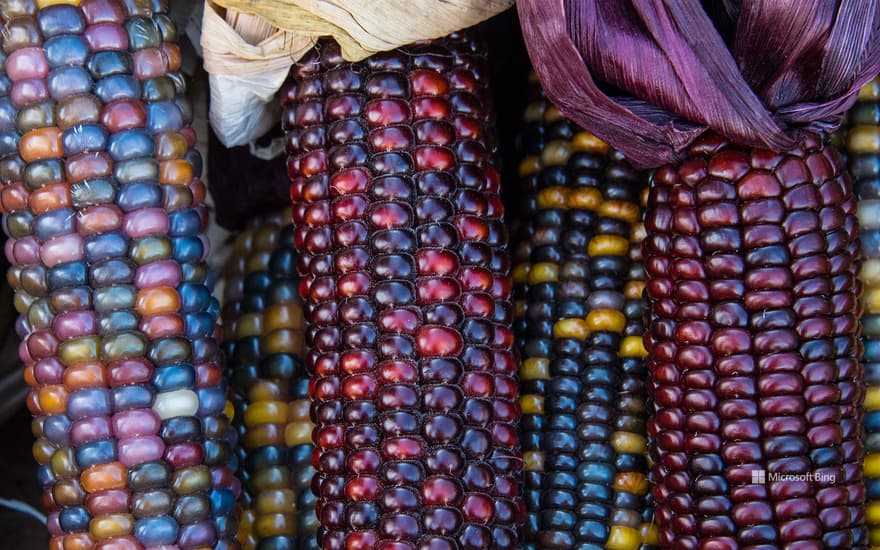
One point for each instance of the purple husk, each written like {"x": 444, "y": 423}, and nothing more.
{"x": 649, "y": 76}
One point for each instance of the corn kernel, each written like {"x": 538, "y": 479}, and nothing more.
{"x": 631, "y": 482}
{"x": 552, "y": 197}
{"x": 529, "y": 166}
{"x": 556, "y": 153}
{"x": 623, "y": 210}
{"x": 521, "y": 274}
{"x": 585, "y": 141}
{"x": 535, "y": 368}
{"x": 608, "y": 245}
{"x": 622, "y": 537}
{"x": 534, "y": 461}
{"x": 629, "y": 443}
{"x": 633, "y": 346}
{"x": 588, "y": 198}
{"x": 606, "y": 320}
{"x": 571, "y": 328}
{"x": 544, "y": 272}
{"x": 532, "y": 404}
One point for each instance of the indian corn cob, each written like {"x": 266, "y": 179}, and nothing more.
{"x": 407, "y": 298}
{"x": 752, "y": 259}
{"x": 583, "y": 371}
{"x": 104, "y": 209}
{"x": 862, "y": 149}
{"x": 263, "y": 341}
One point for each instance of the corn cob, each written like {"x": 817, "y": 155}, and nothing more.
{"x": 862, "y": 149}
{"x": 104, "y": 209}
{"x": 406, "y": 283}
{"x": 263, "y": 341}
{"x": 751, "y": 259}
{"x": 583, "y": 371}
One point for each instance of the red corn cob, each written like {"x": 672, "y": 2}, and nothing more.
{"x": 407, "y": 290}
{"x": 751, "y": 258}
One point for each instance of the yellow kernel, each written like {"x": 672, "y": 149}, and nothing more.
{"x": 298, "y": 410}
{"x": 297, "y": 433}
{"x": 283, "y": 315}
{"x": 634, "y": 290}
{"x": 535, "y": 368}
{"x": 629, "y": 443}
{"x": 266, "y": 412}
{"x": 519, "y": 309}
{"x": 535, "y": 111}
{"x": 608, "y": 245}
{"x": 249, "y": 324}
{"x": 529, "y": 166}
{"x": 46, "y": 3}
{"x": 588, "y": 198}
{"x": 229, "y": 410}
{"x": 873, "y": 512}
{"x": 273, "y": 525}
{"x": 633, "y": 346}
{"x": 650, "y": 535}
{"x": 863, "y": 139}
{"x": 631, "y": 482}
{"x": 622, "y": 210}
{"x": 552, "y": 114}
{"x": 571, "y": 328}
{"x": 585, "y": 141}
{"x": 543, "y": 272}
{"x": 872, "y": 398}
{"x": 872, "y": 465}
{"x": 871, "y": 300}
{"x": 870, "y": 91}
{"x": 533, "y": 461}
{"x": 258, "y": 261}
{"x": 532, "y": 404}
{"x": 870, "y": 273}
{"x": 521, "y": 273}
{"x": 606, "y": 320}
{"x": 556, "y": 153}
{"x": 553, "y": 197}
{"x": 622, "y": 537}
{"x": 637, "y": 234}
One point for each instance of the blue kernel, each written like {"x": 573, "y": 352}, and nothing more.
{"x": 7, "y": 115}
{"x": 130, "y": 144}
{"x": 108, "y": 63}
{"x": 69, "y": 81}
{"x": 131, "y": 397}
{"x": 164, "y": 116}
{"x": 8, "y": 143}
{"x": 95, "y": 452}
{"x": 156, "y": 531}
{"x": 60, "y": 19}
{"x": 66, "y": 50}
{"x": 198, "y": 325}
{"x": 45, "y": 476}
{"x": 54, "y": 223}
{"x": 68, "y": 274}
{"x": 595, "y": 472}
{"x": 74, "y": 519}
{"x": 872, "y": 421}
{"x": 211, "y": 401}
{"x": 88, "y": 402}
{"x": 118, "y": 86}
{"x": 105, "y": 246}
{"x": 135, "y": 196}
{"x": 56, "y": 428}
{"x": 113, "y": 298}
{"x": 83, "y": 138}
{"x": 174, "y": 377}
{"x": 111, "y": 272}
{"x": 187, "y": 249}
{"x": 117, "y": 321}
{"x": 222, "y": 501}
{"x": 194, "y": 297}
{"x": 184, "y": 223}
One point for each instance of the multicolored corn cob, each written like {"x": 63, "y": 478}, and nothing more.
{"x": 104, "y": 210}
{"x": 406, "y": 283}
{"x": 863, "y": 156}
{"x": 752, "y": 259}
{"x": 263, "y": 326}
{"x": 583, "y": 372}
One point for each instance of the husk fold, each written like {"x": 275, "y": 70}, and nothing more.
{"x": 649, "y": 76}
